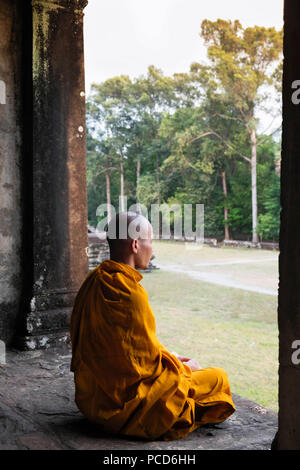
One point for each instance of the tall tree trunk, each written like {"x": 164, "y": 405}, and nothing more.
{"x": 122, "y": 183}
{"x": 158, "y": 196}
{"x": 227, "y": 237}
{"x": 253, "y": 184}
{"x": 138, "y": 170}
{"x": 138, "y": 174}
{"x": 108, "y": 197}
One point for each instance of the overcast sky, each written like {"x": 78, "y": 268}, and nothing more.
{"x": 126, "y": 36}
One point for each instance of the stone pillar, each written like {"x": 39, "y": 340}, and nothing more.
{"x": 289, "y": 261}
{"x": 10, "y": 163}
{"x": 60, "y": 242}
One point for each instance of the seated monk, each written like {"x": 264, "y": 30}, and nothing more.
{"x": 126, "y": 381}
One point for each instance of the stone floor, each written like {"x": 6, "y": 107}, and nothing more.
{"x": 37, "y": 411}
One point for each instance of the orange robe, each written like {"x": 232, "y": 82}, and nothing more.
{"x": 125, "y": 379}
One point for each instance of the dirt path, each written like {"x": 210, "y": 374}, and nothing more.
{"x": 239, "y": 261}
{"x": 219, "y": 279}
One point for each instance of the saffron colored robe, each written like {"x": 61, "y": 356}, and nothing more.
{"x": 125, "y": 379}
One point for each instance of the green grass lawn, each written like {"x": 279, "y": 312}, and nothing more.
{"x": 219, "y": 326}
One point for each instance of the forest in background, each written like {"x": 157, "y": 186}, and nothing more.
{"x": 193, "y": 138}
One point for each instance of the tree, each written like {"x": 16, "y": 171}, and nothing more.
{"x": 187, "y": 139}
{"x": 101, "y": 156}
{"x": 242, "y": 62}
{"x": 199, "y": 139}
{"x": 269, "y": 222}
{"x": 128, "y": 112}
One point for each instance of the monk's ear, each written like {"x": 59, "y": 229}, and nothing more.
{"x": 134, "y": 246}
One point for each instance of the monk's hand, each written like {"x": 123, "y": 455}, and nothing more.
{"x": 193, "y": 364}
{"x": 181, "y": 358}
{"x": 184, "y": 358}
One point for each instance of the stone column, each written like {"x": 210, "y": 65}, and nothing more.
{"x": 60, "y": 242}
{"x": 289, "y": 261}
{"x": 10, "y": 163}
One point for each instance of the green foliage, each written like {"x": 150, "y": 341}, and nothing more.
{"x": 180, "y": 139}
{"x": 269, "y": 221}
{"x": 242, "y": 60}
{"x": 148, "y": 190}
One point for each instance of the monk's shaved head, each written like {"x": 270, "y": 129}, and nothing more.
{"x": 127, "y": 226}
{"x": 123, "y": 229}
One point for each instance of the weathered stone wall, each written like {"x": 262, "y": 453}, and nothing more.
{"x": 98, "y": 251}
{"x": 43, "y": 213}
{"x": 10, "y": 163}
{"x": 289, "y": 259}
{"x": 59, "y": 237}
